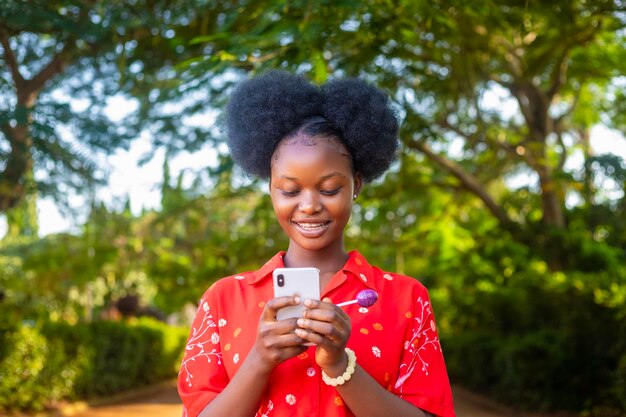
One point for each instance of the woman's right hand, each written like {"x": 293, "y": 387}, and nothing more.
{"x": 276, "y": 341}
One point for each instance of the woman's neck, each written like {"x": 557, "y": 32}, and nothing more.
{"x": 328, "y": 260}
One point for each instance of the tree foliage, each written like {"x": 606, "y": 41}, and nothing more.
{"x": 61, "y": 63}
{"x": 556, "y": 65}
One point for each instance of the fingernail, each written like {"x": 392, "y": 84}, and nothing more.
{"x": 296, "y": 299}
{"x": 308, "y": 302}
{"x": 300, "y": 322}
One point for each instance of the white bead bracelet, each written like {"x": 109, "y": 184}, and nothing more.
{"x": 347, "y": 374}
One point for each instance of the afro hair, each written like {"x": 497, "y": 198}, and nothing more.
{"x": 266, "y": 109}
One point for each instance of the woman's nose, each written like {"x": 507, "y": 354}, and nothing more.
{"x": 309, "y": 203}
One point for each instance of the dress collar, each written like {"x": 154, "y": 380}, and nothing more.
{"x": 266, "y": 270}
{"x": 356, "y": 266}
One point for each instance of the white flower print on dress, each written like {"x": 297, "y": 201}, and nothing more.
{"x": 236, "y": 358}
{"x": 363, "y": 277}
{"x": 310, "y": 371}
{"x": 221, "y": 322}
{"x": 196, "y": 349}
{"x": 376, "y": 351}
{"x": 388, "y": 277}
{"x": 215, "y": 338}
{"x": 291, "y": 399}
{"x": 363, "y": 310}
{"x": 423, "y": 336}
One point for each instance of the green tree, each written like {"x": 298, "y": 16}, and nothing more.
{"x": 60, "y": 63}
{"x": 555, "y": 63}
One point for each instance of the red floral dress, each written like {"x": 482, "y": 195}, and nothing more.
{"x": 395, "y": 341}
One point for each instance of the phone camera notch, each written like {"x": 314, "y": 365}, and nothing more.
{"x": 280, "y": 279}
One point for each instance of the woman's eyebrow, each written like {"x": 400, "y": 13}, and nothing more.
{"x": 333, "y": 174}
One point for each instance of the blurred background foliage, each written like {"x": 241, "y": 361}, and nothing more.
{"x": 498, "y": 202}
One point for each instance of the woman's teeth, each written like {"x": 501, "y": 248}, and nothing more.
{"x": 311, "y": 226}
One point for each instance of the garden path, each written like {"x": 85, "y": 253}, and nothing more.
{"x": 164, "y": 402}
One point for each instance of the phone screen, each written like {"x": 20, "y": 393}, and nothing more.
{"x": 301, "y": 282}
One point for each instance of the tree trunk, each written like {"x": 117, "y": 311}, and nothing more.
{"x": 13, "y": 183}
{"x": 535, "y": 106}
{"x": 13, "y": 179}
{"x": 551, "y": 203}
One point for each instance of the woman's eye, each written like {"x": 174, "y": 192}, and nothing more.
{"x": 331, "y": 192}
{"x": 289, "y": 193}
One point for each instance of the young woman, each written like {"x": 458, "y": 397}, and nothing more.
{"x": 317, "y": 146}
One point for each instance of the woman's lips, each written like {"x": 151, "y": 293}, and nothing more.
{"x": 311, "y": 229}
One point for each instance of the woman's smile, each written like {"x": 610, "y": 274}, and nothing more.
{"x": 311, "y": 229}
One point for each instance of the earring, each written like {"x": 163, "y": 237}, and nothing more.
{"x": 354, "y": 197}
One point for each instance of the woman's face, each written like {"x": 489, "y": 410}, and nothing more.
{"x": 312, "y": 187}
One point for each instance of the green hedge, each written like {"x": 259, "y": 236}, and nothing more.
{"x": 541, "y": 349}
{"x": 42, "y": 365}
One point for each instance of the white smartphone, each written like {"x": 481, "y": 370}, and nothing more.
{"x": 301, "y": 282}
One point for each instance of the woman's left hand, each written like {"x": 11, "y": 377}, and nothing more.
{"x": 329, "y": 327}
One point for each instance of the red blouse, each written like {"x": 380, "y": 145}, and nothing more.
{"x": 395, "y": 341}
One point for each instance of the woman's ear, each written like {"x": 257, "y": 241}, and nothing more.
{"x": 358, "y": 185}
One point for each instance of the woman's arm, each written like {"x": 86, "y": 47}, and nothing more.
{"x": 329, "y": 328}
{"x": 275, "y": 343}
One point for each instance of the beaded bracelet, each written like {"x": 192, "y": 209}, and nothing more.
{"x": 347, "y": 374}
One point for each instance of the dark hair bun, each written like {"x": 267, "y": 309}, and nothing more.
{"x": 265, "y": 109}
{"x": 364, "y": 115}
{"x": 262, "y": 111}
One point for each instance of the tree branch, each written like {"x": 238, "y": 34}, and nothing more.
{"x": 469, "y": 182}
{"x": 558, "y": 75}
{"x": 7, "y": 130}
{"x": 55, "y": 66}
{"x": 9, "y": 58}
{"x": 519, "y": 92}
{"x": 563, "y": 156}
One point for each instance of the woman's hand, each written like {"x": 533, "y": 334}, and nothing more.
{"x": 329, "y": 327}
{"x": 276, "y": 341}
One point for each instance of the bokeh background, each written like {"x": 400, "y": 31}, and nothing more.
{"x": 507, "y": 201}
